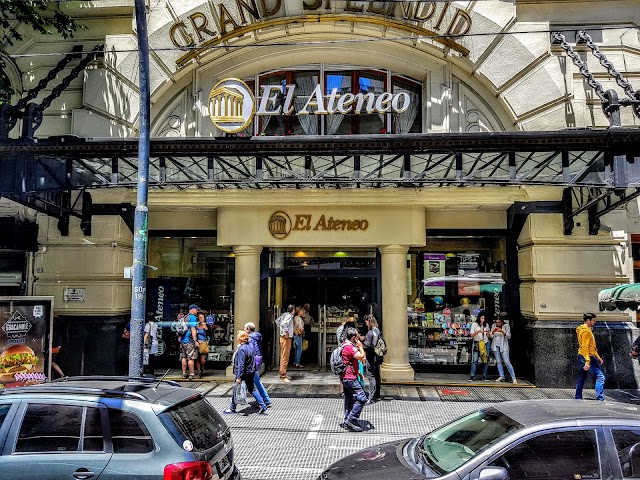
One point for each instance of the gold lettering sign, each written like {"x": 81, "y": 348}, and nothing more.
{"x": 280, "y": 224}
{"x": 423, "y": 19}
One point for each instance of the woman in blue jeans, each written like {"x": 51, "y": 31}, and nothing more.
{"x": 298, "y": 334}
{"x": 500, "y": 335}
{"x": 244, "y": 368}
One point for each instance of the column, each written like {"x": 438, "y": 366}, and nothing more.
{"x": 246, "y": 303}
{"x": 395, "y": 366}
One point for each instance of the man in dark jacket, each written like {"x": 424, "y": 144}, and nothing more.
{"x": 255, "y": 340}
{"x": 244, "y": 368}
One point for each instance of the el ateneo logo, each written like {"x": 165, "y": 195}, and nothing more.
{"x": 280, "y": 224}
{"x": 232, "y": 105}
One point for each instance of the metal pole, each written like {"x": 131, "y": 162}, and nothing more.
{"x": 140, "y": 231}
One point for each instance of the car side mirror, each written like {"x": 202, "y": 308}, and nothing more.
{"x": 493, "y": 473}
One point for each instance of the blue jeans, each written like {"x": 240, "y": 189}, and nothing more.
{"x": 503, "y": 356}
{"x": 261, "y": 390}
{"x": 297, "y": 341}
{"x": 248, "y": 379}
{"x": 354, "y": 399}
{"x": 583, "y": 374}
{"x": 476, "y": 357}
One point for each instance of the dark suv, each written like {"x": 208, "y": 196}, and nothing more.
{"x": 112, "y": 428}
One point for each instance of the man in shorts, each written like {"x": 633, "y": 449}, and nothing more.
{"x": 189, "y": 344}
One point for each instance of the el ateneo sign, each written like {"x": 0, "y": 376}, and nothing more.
{"x": 320, "y": 226}
{"x": 232, "y": 106}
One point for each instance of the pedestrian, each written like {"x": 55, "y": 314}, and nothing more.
{"x": 340, "y": 336}
{"x": 255, "y": 340}
{"x": 151, "y": 342}
{"x": 372, "y": 363}
{"x": 189, "y": 343}
{"x": 588, "y": 359}
{"x": 500, "y": 336}
{"x": 285, "y": 324}
{"x": 202, "y": 330}
{"x": 635, "y": 349}
{"x": 354, "y": 396}
{"x": 480, "y": 348}
{"x": 298, "y": 335}
{"x": 244, "y": 368}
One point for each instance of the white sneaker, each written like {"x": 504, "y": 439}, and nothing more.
{"x": 515, "y": 382}
{"x": 500, "y": 379}
{"x": 285, "y": 380}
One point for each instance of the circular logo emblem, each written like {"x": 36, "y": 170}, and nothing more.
{"x": 279, "y": 225}
{"x": 231, "y": 105}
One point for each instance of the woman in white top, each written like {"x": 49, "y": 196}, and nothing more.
{"x": 501, "y": 333}
{"x": 151, "y": 341}
{"x": 480, "y": 333}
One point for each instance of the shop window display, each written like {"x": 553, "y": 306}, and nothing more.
{"x": 447, "y": 290}
{"x": 191, "y": 270}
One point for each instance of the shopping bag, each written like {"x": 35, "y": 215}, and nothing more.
{"x": 482, "y": 348}
{"x": 145, "y": 356}
{"x": 240, "y": 393}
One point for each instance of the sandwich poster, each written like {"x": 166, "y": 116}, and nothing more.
{"x": 25, "y": 324}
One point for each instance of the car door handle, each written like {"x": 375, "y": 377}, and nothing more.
{"x": 82, "y": 473}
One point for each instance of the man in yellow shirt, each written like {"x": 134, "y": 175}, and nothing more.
{"x": 588, "y": 359}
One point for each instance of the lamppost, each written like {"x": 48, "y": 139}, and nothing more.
{"x": 141, "y": 228}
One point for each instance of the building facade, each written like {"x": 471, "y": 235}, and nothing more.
{"x": 325, "y": 194}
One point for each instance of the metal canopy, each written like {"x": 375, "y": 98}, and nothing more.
{"x": 621, "y": 297}
{"x": 593, "y": 166}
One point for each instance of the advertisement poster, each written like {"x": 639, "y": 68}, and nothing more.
{"x": 159, "y": 303}
{"x": 25, "y": 337}
{"x": 468, "y": 265}
{"x": 434, "y": 267}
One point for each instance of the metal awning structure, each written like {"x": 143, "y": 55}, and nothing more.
{"x": 597, "y": 168}
{"x": 621, "y": 297}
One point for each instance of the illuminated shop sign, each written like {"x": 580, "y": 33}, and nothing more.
{"x": 215, "y": 22}
{"x": 232, "y": 106}
{"x": 280, "y": 224}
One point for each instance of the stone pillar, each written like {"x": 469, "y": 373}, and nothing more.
{"x": 246, "y": 303}
{"x": 395, "y": 366}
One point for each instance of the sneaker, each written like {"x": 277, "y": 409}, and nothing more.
{"x": 500, "y": 379}
{"x": 262, "y": 411}
{"x": 199, "y": 374}
{"x": 300, "y": 365}
{"x": 344, "y": 425}
{"x": 471, "y": 379}
{"x": 229, "y": 411}
{"x": 485, "y": 379}
{"x": 184, "y": 375}
{"x": 354, "y": 427}
{"x": 285, "y": 380}
{"x": 192, "y": 377}
{"x": 269, "y": 405}
{"x": 515, "y": 382}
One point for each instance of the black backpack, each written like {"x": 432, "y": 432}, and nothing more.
{"x": 337, "y": 362}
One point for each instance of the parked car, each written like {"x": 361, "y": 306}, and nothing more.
{"x": 551, "y": 439}
{"x": 112, "y": 428}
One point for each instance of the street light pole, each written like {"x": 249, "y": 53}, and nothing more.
{"x": 141, "y": 230}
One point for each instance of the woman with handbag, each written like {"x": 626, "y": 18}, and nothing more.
{"x": 244, "y": 367}
{"x": 480, "y": 336}
{"x": 203, "y": 343}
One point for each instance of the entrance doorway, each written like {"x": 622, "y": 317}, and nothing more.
{"x": 334, "y": 284}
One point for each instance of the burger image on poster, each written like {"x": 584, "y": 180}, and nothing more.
{"x": 17, "y": 359}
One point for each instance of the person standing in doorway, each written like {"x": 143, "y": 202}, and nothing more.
{"x": 480, "y": 335}
{"x": 189, "y": 344}
{"x": 500, "y": 335}
{"x": 373, "y": 361}
{"x": 354, "y": 396}
{"x": 151, "y": 342}
{"x": 298, "y": 335}
{"x": 285, "y": 325}
{"x": 255, "y": 340}
{"x": 588, "y": 359}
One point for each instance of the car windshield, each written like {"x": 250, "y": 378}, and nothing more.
{"x": 448, "y": 447}
{"x": 194, "y": 420}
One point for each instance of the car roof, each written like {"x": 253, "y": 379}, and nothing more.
{"x": 137, "y": 389}
{"x": 535, "y": 412}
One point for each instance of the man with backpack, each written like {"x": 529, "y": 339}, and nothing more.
{"x": 285, "y": 325}
{"x": 354, "y": 397}
{"x": 187, "y": 336}
{"x": 373, "y": 360}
